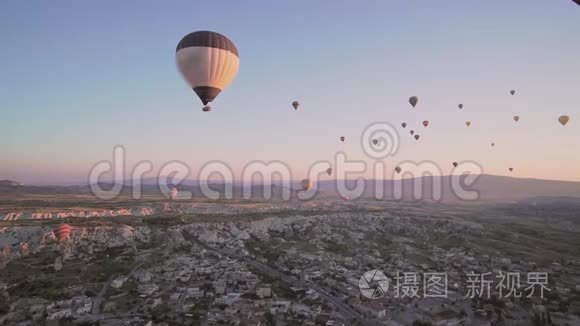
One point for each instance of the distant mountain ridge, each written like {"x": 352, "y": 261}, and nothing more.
{"x": 490, "y": 188}
{"x": 9, "y": 183}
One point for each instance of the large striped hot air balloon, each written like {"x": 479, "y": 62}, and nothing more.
{"x": 62, "y": 232}
{"x": 208, "y": 61}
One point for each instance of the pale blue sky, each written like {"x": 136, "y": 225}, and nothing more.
{"x": 79, "y": 77}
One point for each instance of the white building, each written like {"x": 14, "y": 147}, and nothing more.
{"x": 118, "y": 282}
{"x": 264, "y": 291}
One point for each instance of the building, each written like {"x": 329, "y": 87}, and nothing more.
{"x": 219, "y": 286}
{"x": 147, "y": 289}
{"x": 118, "y": 282}
{"x": 264, "y": 291}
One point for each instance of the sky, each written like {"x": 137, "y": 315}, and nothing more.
{"x": 78, "y": 78}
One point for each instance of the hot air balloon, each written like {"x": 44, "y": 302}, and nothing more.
{"x": 329, "y": 171}
{"x": 62, "y": 232}
{"x": 564, "y": 119}
{"x": 306, "y": 185}
{"x": 460, "y": 106}
{"x": 375, "y": 141}
{"x": 492, "y": 144}
{"x": 404, "y": 124}
{"x": 398, "y": 170}
{"x": 468, "y": 123}
{"x": 425, "y": 123}
{"x": 413, "y": 100}
{"x": 208, "y": 61}
{"x": 512, "y": 92}
{"x": 412, "y": 132}
{"x": 417, "y": 137}
{"x": 295, "y": 104}
{"x": 454, "y": 164}
{"x": 511, "y": 169}
{"x": 173, "y": 193}
{"x": 516, "y": 118}
{"x": 342, "y": 139}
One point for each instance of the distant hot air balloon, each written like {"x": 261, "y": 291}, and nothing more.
{"x": 564, "y": 118}
{"x": 342, "y": 139}
{"x": 375, "y": 141}
{"x": 404, "y": 124}
{"x": 492, "y": 144}
{"x": 306, "y": 185}
{"x": 412, "y": 132}
{"x": 460, "y": 106}
{"x": 329, "y": 171}
{"x": 295, "y": 104}
{"x": 417, "y": 137}
{"x": 512, "y": 92}
{"x": 208, "y": 61}
{"x": 425, "y": 123}
{"x": 413, "y": 100}
{"x": 516, "y": 118}
{"x": 62, "y": 232}
{"x": 511, "y": 169}
{"x": 454, "y": 164}
{"x": 398, "y": 170}
{"x": 468, "y": 123}
{"x": 173, "y": 193}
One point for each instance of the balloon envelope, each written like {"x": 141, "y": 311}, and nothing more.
{"x": 468, "y": 123}
{"x": 62, "y": 232}
{"x": 342, "y": 138}
{"x": 564, "y": 118}
{"x": 375, "y": 141}
{"x": 173, "y": 193}
{"x": 413, "y": 100}
{"x": 512, "y": 92}
{"x": 455, "y": 164}
{"x": 404, "y": 124}
{"x": 425, "y": 123}
{"x": 516, "y": 118}
{"x": 417, "y": 137}
{"x": 295, "y": 104}
{"x": 398, "y": 169}
{"x": 329, "y": 171}
{"x": 208, "y": 61}
{"x": 306, "y": 185}
{"x": 460, "y": 106}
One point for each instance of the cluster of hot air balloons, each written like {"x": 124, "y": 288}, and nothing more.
{"x": 209, "y": 61}
{"x": 414, "y": 100}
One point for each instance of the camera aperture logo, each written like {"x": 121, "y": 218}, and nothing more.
{"x": 373, "y": 284}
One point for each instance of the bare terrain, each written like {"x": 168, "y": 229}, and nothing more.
{"x": 253, "y": 262}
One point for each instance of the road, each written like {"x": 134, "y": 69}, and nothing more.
{"x": 99, "y": 298}
{"x": 349, "y": 314}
